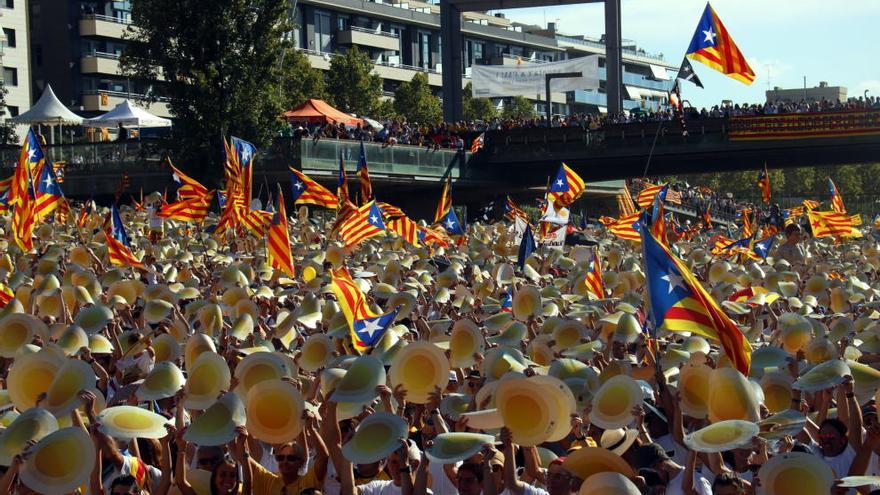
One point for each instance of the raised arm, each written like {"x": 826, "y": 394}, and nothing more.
{"x": 513, "y": 484}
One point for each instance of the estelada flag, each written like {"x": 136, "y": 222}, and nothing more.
{"x": 566, "y": 187}
{"x": 713, "y": 46}
{"x": 307, "y": 191}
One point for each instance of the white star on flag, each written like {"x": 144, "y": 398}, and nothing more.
{"x": 31, "y": 153}
{"x": 674, "y": 281}
{"x": 371, "y": 327}
{"x": 298, "y": 185}
{"x": 559, "y": 182}
{"x": 374, "y": 219}
{"x": 710, "y": 36}
{"x": 48, "y": 181}
{"x": 450, "y": 224}
{"x": 175, "y": 177}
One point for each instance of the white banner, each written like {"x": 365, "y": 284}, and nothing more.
{"x": 556, "y": 239}
{"x": 519, "y": 230}
{"x": 527, "y": 78}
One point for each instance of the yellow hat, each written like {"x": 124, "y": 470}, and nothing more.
{"x": 216, "y": 426}
{"x": 19, "y": 329}
{"x": 487, "y": 419}
{"x": 196, "y": 345}
{"x": 317, "y": 350}
{"x": 614, "y": 401}
{"x": 527, "y": 303}
{"x": 360, "y": 382}
{"x": 375, "y": 438}
{"x": 826, "y": 375}
{"x": 242, "y": 326}
{"x": 465, "y": 341}
{"x": 72, "y": 339}
{"x": 259, "y": 367}
{"x": 127, "y": 422}
{"x": 767, "y": 357}
{"x": 796, "y": 332}
{"x": 274, "y": 411}
{"x": 567, "y": 334}
{"x": 164, "y": 380}
{"x": 207, "y": 378}
{"x": 563, "y": 401}
{"x": 166, "y": 348}
{"x": 63, "y": 394}
{"x": 587, "y": 461}
{"x": 693, "y": 383}
{"x": 30, "y": 426}
{"x": 608, "y": 483}
{"x": 210, "y": 318}
{"x": 500, "y": 360}
{"x": 127, "y": 289}
{"x": 722, "y": 436}
{"x": 157, "y": 310}
{"x": 31, "y": 375}
{"x": 796, "y": 473}
{"x": 94, "y": 318}
{"x": 777, "y": 391}
{"x": 526, "y": 410}
{"x": 450, "y": 448}
{"x": 419, "y": 367}
{"x": 731, "y": 396}
{"x": 60, "y": 463}
{"x": 866, "y": 380}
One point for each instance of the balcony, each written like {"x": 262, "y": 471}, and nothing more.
{"x": 104, "y": 101}
{"x": 100, "y": 63}
{"x": 372, "y": 38}
{"x": 103, "y": 26}
{"x": 386, "y": 70}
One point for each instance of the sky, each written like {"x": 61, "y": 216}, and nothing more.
{"x": 783, "y": 40}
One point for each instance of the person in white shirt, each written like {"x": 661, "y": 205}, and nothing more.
{"x": 659, "y": 470}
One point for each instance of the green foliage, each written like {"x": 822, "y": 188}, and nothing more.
{"x": 477, "y": 108}
{"x": 221, "y": 68}
{"x": 519, "y": 107}
{"x": 351, "y": 82}
{"x": 299, "y": 80}
{"x": 7, "y": 130}
{"x": 385, "y": 110}
{"x": 413, "y": 100}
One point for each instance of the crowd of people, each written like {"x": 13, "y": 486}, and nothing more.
{"x": 207, "y": 370}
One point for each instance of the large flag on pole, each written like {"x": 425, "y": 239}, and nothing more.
{"x": 364, "y": 174}
{"x": 566, "y": 187}
{"x": 192, "y": 209}
{"x": 764, "y": 184}
{"x": 364, "y": 223}
{"x": 278, "y": 241}
{"x": 686, "y": 73}
{"x": 445, "y": 202}
{"x": 836, "y": 198}
{"x": 366, "y": 326}
{"x": 30, "y": 160}
{"x": 680, "y": 304}
{"x": 118, "y": 242}
{"x": 187, "y": 186}
{"x": 48, "y": 194}
{"x": 713, "y": 46}
{"x": 593, "y": 277}
{"x": 306, "y": 191}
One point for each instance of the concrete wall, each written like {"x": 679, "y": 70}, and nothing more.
{"x": 19, "y": 94}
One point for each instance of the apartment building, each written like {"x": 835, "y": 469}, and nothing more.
{"x": 402, "y": 37}
{"x": 15, "y": 48}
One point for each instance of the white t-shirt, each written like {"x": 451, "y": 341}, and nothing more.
{"x": 533, "y": 490}
{"x": 381, "y": 487}
{"x": 440, "y": 483}
{"x": 839, "y": 463}
{"x": 669, "y": 444}
{"x": 701, "y": 485}
{"x": 153, "y": 478}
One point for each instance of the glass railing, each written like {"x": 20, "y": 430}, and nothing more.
{"x": 398, "y": 160}
{"x": 145, "y": 155}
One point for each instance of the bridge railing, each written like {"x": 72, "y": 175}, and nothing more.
{"x": 146, "y": 154}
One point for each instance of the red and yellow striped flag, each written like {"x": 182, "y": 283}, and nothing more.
{"x": 364, "y": 223}
{"x": 593, "y": 277}
{"x": 405, "y": 228}
{"x": 278, "y": 241}
{"x": 445, "y": 202}
{"x": 830, "y": 224}
{"x": 192, "y": 209}
{"x": 627, "y": 227}
{"x": 566, "y": 188}
{"x": 188, "y": 187}
{"x": 646, "y": 196}
{"x": 307, "y": 191}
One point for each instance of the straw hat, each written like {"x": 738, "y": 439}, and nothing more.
{"x": 465, "y": 341}
{"x": 795, "y": 473}
{"x": 693, "y": 383}
{"x": 419, "y": 367}
{"x": 767, "y": 357}
{"x": 731, "y": 396}
{"x": 30, "y": 426}
{"x": 563, "y": 401}
{"x": 777, "y": 390}
{"x": 72, "y": 339}
{"x": 164, "y": 380}
{"x": 316, "y": 351}
{"x": 51, "y": 467}
{"x": 722, "y": 436}
{"x": 166, "y": 348}
{"x": 618, "y": 440}
{"x": 608, "y": 483}
{"x": 866, "y": 380}
{"x": 796, "y": 332}
{"x": 487, "y": 419}
{"x": 587, "y": 461}
{"x": 527, "y": 303}
{"x": 527, "y": 411}
{"x": 62, "y": 397}
{"x": 826, "y": 375}
{"x": 127, "y": 422}
{"x": 450, "y": 448}
{"x": 376, "y": 437}
{"x": 196, "y": 345}
{"x": 31, "y": 375}
{"x": 216, "y": 426}
{"x": 614, "y": 401}
{"x": 207, "y": 378}
{"x": 500, "y": 360}
{"x": 274, "y": 411}
{"x": 259, "y": 367}
{"x": 19, "y": 329}
{"x": 360, "y": 382}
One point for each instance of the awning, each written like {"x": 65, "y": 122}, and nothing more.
{"x": 49, "y": 111}
{"x": 633, "y": 92}
{"x": 128, "y": 115}
{"x": 653, "y": 93}
{"x": 659, "y": 73}
{"x": 318, "y": 111}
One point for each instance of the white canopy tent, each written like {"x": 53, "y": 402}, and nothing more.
{"x": 48, "y": 111}
{"x": 128, "y": 115}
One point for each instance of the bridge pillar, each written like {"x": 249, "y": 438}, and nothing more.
{"x": 613, "y": 56}
{"x": 450, "y": 33}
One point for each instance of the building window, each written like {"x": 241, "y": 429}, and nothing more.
{"x": 10, "y": 76}
{"x": 424, "y": 50}
{"x": 323, "y": 37}
{"x": 9, "y": 34}
{"x": 342, "y": 22}
{"x": 13, "y": 110}
{"x": 9, "y": 4}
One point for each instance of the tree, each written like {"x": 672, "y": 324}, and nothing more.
{"x": 299, "y": 80}
{"x": 7, "y": 129}
{"x": 221, "y": 69}
{"x": 385, "y": 110}
{"x": 476, "y": 108}
{"x": 414, "y": 101}
{"x": 519, "y": 107}
{"x": 352, "y": 84}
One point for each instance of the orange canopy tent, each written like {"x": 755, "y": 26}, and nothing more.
{"x": 318, "y": 112}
